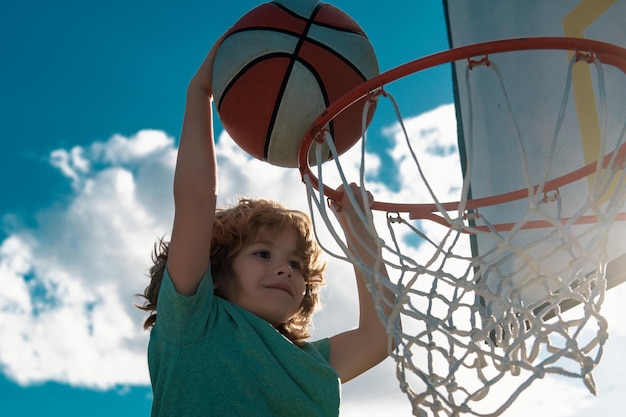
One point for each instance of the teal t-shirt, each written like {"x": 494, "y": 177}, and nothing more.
{"x": 210, "y": 357}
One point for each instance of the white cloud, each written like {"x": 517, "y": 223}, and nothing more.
{"x": 72, "y": 164}
{"x": 16, "y": 259}
{"x": 119, "y": 150}
{"x": 66, "y": 308}
{"x": 69, "y": 315}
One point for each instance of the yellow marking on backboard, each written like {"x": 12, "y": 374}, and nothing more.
{"x": 574, "y": 25}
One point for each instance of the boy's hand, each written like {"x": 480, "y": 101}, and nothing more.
{"x": 345, "y": 206}
{"x": 203, "y": 78}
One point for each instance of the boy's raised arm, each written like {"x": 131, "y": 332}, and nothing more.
{"x": 195, "y": 186}
{"x": 356, "y": 351}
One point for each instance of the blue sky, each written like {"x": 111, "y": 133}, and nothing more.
{"x": 75, "y": 71}
{"x": 91, "y": 98}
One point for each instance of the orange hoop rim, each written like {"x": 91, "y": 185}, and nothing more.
{"x": 585, "y": 49}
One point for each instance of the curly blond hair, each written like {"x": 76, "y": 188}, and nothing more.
{"x": 234, "y": 228}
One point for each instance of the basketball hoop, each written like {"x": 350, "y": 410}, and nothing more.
{"x": 483, "y": 286}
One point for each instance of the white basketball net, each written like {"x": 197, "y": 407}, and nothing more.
{"x": 478, "y": 330}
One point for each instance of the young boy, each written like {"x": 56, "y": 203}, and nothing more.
{"x": 235, "y": 290}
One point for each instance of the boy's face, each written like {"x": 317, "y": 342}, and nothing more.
{"x": 267, "y": 278}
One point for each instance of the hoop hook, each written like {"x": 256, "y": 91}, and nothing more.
{"x": 471, "y": 63}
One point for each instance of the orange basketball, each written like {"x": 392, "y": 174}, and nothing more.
{"x": 280, "y": 66}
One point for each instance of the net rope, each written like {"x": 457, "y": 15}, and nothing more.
{"x": 463, "y": 333}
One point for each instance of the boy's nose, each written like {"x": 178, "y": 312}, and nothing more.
{"x": 284, "y": 268}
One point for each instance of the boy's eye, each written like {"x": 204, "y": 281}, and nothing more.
{"x": 295, "y": 265}
{"x": 263, "y": 254}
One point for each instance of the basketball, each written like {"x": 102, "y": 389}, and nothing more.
{"x": 279, "y": 67}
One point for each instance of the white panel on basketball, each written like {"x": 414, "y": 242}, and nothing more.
{"x": 302, "y": 83}
{"x": 303, "y": 8}
{"x": 354, "y": 48}
{"x": 240, "y": 48}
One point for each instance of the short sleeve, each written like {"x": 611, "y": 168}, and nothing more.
{"x": 181, "y": 318}
{"x": 322, "y": 347}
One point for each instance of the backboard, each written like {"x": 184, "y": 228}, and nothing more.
{"x": 534, "y": 79}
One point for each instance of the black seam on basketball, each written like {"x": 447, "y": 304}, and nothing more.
{"x": 302, "y": 37}
{"x": 313, "y": 41}
{"x": 266, "y": 29}
{"x": 338, "y": 55}
{"x": 326, "y": 25}
{"x": 320, "y": 83}
{"x": 339, "y": 29}
{"x": 245, "y": 69}
{"x": 291, "y": 12}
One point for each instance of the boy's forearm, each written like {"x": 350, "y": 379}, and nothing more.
{"x": 196, "y": 169}
{"x": 364, "y": 247}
